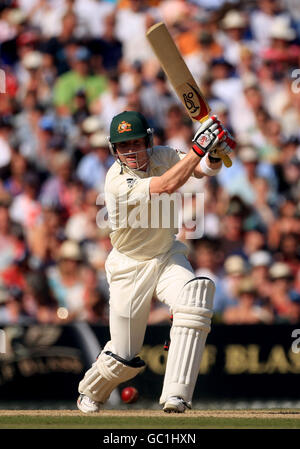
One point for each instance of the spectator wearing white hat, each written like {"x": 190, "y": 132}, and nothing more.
{"x": 285, "y": 301}
{"x": 282, "y": 53}
{"x": 248, "y": 169}
{"x": 36, "y": 74}
{"x": 227, "y": 289}
{"x": 262, "y": 19}
{"x": 248, "y": 310}
{"x": 90, "y": 125}
{"x": 234, "y": 26}
{"x": 260, "y": 262}
{"x": 93, "y": 167}
{"x": 66, "y": 283}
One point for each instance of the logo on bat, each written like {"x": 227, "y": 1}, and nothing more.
{"x": 189, "y": 103}
{"x": 195, "y": 103}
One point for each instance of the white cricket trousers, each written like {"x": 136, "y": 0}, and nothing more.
{"x": 132, "y": 285}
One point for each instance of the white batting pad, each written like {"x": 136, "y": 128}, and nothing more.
{"x": 105, "y": 375}
{"x": 191, "y": 323}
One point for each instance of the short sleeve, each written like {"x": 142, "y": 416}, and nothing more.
{"x": 175, "y": 156}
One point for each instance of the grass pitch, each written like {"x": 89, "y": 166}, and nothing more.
{"x": 150, "y": 419}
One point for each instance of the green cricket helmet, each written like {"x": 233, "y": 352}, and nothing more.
{"x": 129, "y": 125}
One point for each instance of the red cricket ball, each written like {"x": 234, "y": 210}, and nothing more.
{"x": 129, "y": 395}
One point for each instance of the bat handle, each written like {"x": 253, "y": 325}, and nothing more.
{"x": 225, "y": 159}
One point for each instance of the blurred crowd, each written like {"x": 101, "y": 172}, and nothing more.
{"x": 70, "y": 66}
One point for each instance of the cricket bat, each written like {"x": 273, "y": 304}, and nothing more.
{"x": 180, "y": 76}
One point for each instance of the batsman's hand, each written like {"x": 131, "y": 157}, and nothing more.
{"x": 226, "y": 146}
{"x": 210, "y": 134}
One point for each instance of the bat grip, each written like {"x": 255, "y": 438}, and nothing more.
{"x": 225, "y": 159}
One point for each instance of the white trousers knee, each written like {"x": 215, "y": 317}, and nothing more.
{"x": 132, "y": 286}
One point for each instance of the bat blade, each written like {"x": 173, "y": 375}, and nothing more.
{"x": 177, "y": 71}
{"x": 179, "y": 75}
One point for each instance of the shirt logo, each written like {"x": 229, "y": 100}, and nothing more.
{"x": 130, "y": 182}
{"x": 124, "y": 127}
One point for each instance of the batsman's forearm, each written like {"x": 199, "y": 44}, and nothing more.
{"x": 176, "y": 176}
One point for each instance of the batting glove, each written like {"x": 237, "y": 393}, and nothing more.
{"x": 208, "y": 136}
{"x": 226, "y": 146}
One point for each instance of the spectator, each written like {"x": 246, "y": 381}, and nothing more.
{"x": 262, "y": 19}
{"x": 77, "y": 78}
{"x": 244, "y": 109}
{"x": 227, "y": 289}
{"x": 81, "y": 109}
{"x": 111, "y": 102}
{"x": 95, "y": 302}
{"x": 207, "y": 258}
{"x": 107, "y": 45}
{"x": 281, "y": 53}
{"x": 288, "y": 252}
{"x": 18, "y": 167}
{"x": 157, "y": 99}
{"x": 132, "y": 23}
{"x": 66, "y": 283}
{"x": 287, "y": 222}
{"x": 55, "y": 190}
{"x": 260, "y": 262}
{"x": 247, "y": 311}
{"x": 44, "y": 238}
{"x": 225, "y": 86}
{"x": 93, "y": 167}
{"x": 11, "y": 245}
{"x": 25, "y": 208}
{"x": 93, "y": 15}
{"x": 82, "y": 225}
{"x": 234, "y": 25}
{"x": 242, "y": 181}
{"x": 232, "y": 227}
{"x": 90, "y": 125}
{"x": 39, "y": 301}
{"x": 56, "y": 45}
{"x": 254, "y": 240}
{"x": 11, "y": 307}
{"x": 285, "y": 301}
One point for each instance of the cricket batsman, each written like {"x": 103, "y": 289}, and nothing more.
{"x": 149, "y": 260}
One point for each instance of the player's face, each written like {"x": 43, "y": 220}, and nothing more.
{"x": 133, "y": 153}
